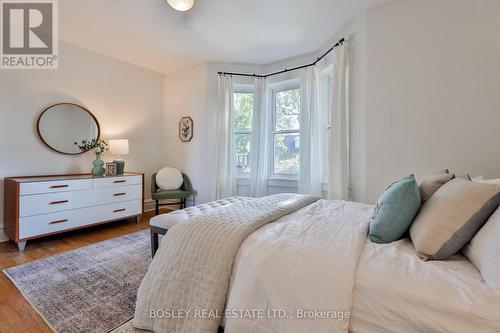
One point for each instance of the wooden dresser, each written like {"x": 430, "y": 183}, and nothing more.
{"x": 44, "y": 205}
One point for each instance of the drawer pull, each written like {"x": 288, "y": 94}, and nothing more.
{"x": 58, "y": 202}
{"x": 119, "y": 210}
{"x": 58, "y": 221}
{"x": 119, "y": 194}
{"x": 119, "y": 181}
{"x": 59, "y": 186}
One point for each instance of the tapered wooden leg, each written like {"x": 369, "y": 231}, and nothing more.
{"x": 21, "y": 245}
{"x": 157, "y": 207}
{"x": 138, "y": 218}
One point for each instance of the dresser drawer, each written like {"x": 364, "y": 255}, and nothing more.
{"x": 116, "y": 181}
{"x": 56, "y": 202}
{"x": 37, "y": 225}
{"x": 116, "y": 194}
{"x": 55, "y": 186}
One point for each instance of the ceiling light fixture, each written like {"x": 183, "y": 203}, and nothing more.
{"x": 181, "y": 5}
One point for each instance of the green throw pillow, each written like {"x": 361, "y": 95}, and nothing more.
{"x": 395, "y": 211}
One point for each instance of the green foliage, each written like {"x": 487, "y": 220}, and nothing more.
{"x": 243, "y": 109}
{"x": 99, "y": 146}
{"x": 287, "y": 118}
{"x": 288, "y": 110}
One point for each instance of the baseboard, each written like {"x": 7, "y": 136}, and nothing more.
{"x": 149, "y": 205}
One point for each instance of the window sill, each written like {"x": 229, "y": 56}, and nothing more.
{"x": 282, "y": 182}
{"x": 291, "y": 183}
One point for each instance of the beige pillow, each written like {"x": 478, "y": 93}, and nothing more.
{"x": 452, "y": 216}
{"x": 484, "y": 251}
{"x": 431, "y": 184}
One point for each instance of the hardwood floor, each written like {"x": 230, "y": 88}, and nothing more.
{"x": 16, "y": 314}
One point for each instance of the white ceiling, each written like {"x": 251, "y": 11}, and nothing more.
{"x": 151, "y": 34}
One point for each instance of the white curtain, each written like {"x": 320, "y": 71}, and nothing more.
{"x": 260, "y": 145}
{"x": 226, "y": 155}
{"x": 339, "y": 150}
{"x": 312, "y": 126}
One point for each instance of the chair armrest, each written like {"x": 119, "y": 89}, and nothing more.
{"x": 186, "y": 185}
{"x": 154, "y": 188}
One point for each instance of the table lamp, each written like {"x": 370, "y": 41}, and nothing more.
{"x": 119, "y": 148}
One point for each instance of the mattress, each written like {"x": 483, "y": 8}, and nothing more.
{"x": 395, "y": 291}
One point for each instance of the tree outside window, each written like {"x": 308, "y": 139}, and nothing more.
{"x": 243, "y": 113}
{"x": 286, "y": 131}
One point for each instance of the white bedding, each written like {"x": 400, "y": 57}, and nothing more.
{"x": 395, "y": 291}
{"x": 303, "y": 261}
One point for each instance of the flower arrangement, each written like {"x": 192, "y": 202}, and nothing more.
{"x": 99, "y": 146}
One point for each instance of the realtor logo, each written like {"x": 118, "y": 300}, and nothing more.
{"x": 29, "y": 34}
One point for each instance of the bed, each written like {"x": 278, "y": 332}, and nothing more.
{"x": 314, "y": 270}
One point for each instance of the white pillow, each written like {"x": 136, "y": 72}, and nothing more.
{"x": 484, "y": 251}
{"x": 169, "y": 179}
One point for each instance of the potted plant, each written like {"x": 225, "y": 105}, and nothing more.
{"x": 99, "y": 147}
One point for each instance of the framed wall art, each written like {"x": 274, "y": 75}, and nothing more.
{"x": 186, "y": 129}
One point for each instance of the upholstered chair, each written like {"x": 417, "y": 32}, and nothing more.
{"x": 182, "y": 193}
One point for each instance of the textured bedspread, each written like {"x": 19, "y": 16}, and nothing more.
{"x": 189, "y": 277}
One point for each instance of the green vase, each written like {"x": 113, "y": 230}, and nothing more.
{"x": 98, "y": 169}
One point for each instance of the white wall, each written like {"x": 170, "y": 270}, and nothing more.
{"x": 126, "y": 99}
{"x": 426, "y": 87}
{"x": 186, "y": 95}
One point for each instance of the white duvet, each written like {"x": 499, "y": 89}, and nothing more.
{"x": 297, "y": 274}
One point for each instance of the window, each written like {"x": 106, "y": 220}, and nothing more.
{"x": 286, "y": 131}
{"x": 243, "y": 112}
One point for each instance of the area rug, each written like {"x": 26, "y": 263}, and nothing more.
{"x": 91, "y": 289}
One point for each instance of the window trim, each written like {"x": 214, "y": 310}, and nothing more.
{"x": 240, "y": 88}
{"x": 276, "y": 88}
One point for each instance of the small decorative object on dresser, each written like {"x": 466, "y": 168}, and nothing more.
{"x": 111, "y": 169}
{"x": 38, "y": 206}
{"x": 99, "y": 147}
{"x": 119, "y": 148}
{"x": 186, "y": 129}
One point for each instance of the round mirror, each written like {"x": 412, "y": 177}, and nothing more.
{"x": 61, "y": 125}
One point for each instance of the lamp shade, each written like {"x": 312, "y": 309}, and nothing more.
{"x": 118, "y": 147}
{"x": 181, "y": 5}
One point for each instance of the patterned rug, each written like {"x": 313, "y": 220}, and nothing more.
{"x": 91, "y": 289}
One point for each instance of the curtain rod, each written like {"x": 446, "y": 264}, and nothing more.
{"x": 340, "y": 42}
